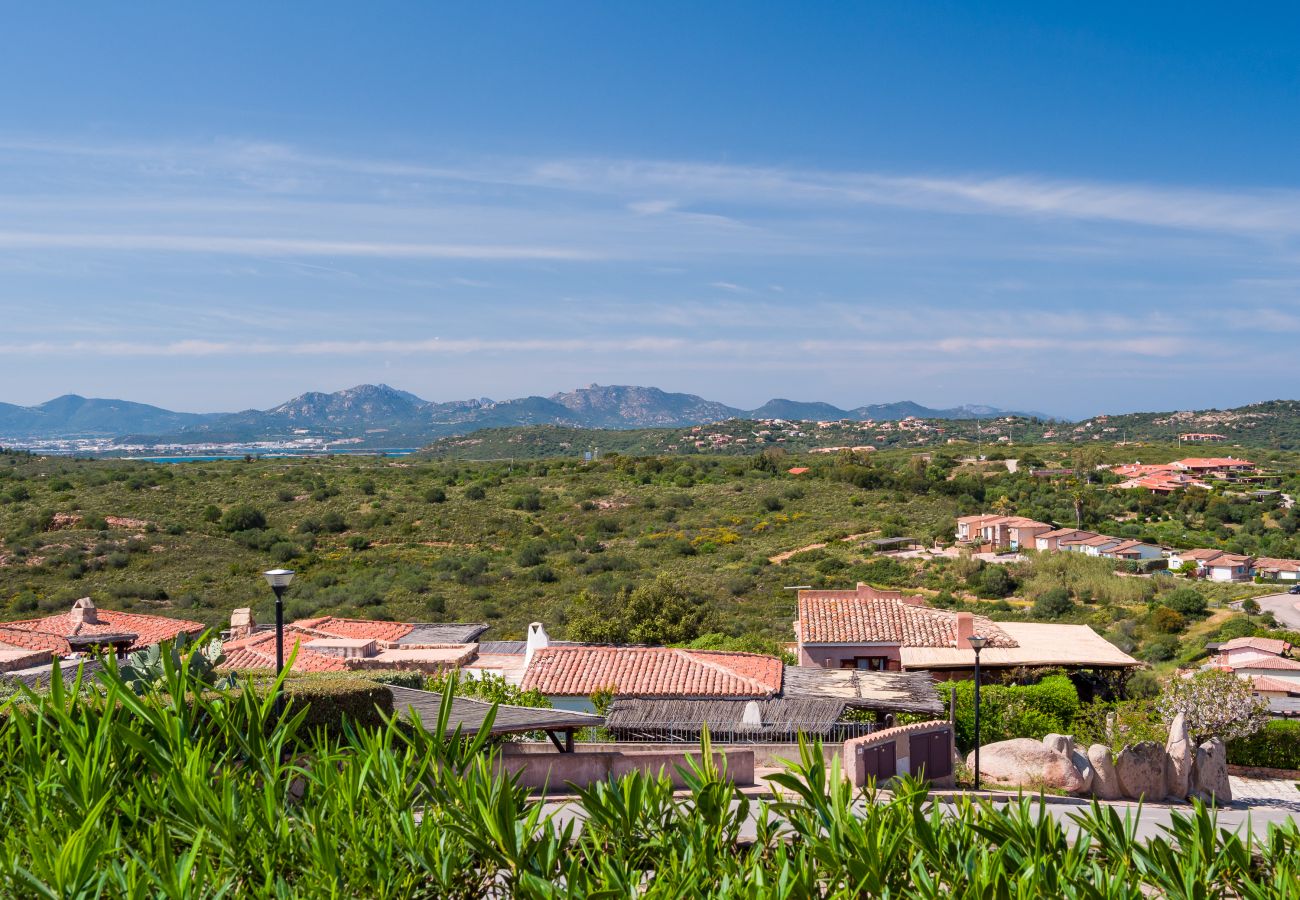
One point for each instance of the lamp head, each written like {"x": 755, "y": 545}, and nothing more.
{"x": 278, "y": 579}
{"x": 977, "y": 642}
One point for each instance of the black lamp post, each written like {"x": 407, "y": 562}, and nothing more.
{"x": 279, "y": 580}
{"x": 977, "y": 643}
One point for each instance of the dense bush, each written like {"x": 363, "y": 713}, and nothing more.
{"x": 215, "y": 797}
{"x": 1276, "y": 746}
{"x": 243, "y": 517}
{"x": 1012, "y": 711}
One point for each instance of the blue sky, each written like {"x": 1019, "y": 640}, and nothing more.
{"x": 1069, "y": 210}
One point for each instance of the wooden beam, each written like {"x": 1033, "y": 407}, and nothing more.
{"x": 556, "y": 741}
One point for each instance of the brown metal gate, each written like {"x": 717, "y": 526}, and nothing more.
{"x": 930, "y": 755}
{"x": 879, "y": 762}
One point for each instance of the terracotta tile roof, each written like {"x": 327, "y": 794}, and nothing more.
{"x": 1279, "y": 663}
{"x": 1279, "y": 565}
{"x": 1269, "y": 683}
{"x": 258, "y": 652}
{"x": 854, "y": 620}
{"x": 1212, "y": 462}
{"x": 356, "y": 628}
{"x": 52, "y": 632}
{"x": 1276, "y": 646}
{"x": 1062, "y": 532}
{"x": 652, "y": 672}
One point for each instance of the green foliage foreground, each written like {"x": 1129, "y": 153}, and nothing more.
{"x": 180, "y": 793}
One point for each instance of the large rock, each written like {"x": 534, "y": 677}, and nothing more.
{"x": 1210, "y": 773}
{"x": 1064, "y": 744}
{"x": 1105, "y": 780}
{"x": 1181, "y": 755}
{"x": 1141, "y": 770}
{"x": 1084, "y": 766}
{"x": 1026, "y": 763}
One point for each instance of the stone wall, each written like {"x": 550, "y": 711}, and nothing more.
{"x": 854, "y": 751}
{"x": 553, "y": 772}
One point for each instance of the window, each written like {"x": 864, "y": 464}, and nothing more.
{"x": 870, "y": 663}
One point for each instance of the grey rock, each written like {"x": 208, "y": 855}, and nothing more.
{"x": 1105, "y": 780}
{"x": 1084, "y": 766}
{"x": 1181, "y": 755}
{"x": 1061, "y": 743}
{"x": 1026, "y": 763}
{"x": 1141, "y": 770}
{"x": 1210, "y": 773}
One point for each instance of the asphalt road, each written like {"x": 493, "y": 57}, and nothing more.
{"x": 1255, "y": 814}
{"x": 1283, "y": 607}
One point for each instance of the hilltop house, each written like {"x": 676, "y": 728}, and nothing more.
{"x": 1278, "y": 569}
{"x": 871, "y": 629}
{"x": 85, "y": 628}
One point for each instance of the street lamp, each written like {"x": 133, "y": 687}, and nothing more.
{"x": 279, "y": 580}
{"x": 977, "y": 643}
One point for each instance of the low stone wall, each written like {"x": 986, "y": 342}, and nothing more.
{"x": 854, "y": 751}
{"x": 545, "y": 769}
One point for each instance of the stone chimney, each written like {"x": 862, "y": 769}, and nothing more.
{"x": 538, "y": 639}
{"x": 965, "y": 628}
{"x": 241, "y": 623}
{"x": 84, "y": 612}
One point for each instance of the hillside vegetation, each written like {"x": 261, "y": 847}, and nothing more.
{"x": 653, "y": 549}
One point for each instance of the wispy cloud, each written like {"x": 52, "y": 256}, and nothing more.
{"x": 264, "y": 246}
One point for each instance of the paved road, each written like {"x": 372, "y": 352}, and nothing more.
{"x": 1259, "y": 803}
{"x": 1283, "y": 607}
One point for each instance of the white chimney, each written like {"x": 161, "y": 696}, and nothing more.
{"x": 538, "y": 639}
{"x": 241, "y": 623}
{"x": 84, "y": 612}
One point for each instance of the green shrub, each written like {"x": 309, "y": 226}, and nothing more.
{"x": 1012, "y": 711}
{"x": 1277, "y": 746}
{"x": 331, "y": 702}
{"x": 243, "y": 517}
{"x": 1187, "y": 601}
{"x": 1053, "y": 604}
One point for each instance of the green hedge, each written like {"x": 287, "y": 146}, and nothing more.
{"x": 330, "y": 702}
{"x": 1012, "y": 711}
{"x": 1276, "y": 747}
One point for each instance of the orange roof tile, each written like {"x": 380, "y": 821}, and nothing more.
{"x": 652, "y": 672}
{"x": 258, "y": 652}
{"x": 356, "y": 628}
{"x": 1269, "y": 683}
{"x": 842, "y": 619}
{"x": 52, "y": 632}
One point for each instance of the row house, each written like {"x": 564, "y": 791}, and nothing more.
{"x": 1000, "y": 532}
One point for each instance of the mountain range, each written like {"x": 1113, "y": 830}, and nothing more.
{"x": 384, "y": 416}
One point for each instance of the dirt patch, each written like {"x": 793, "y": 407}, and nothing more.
{"x": 124, "y": 522}
{"x": 63, "y": 521}
{"x": 782, "y": 557}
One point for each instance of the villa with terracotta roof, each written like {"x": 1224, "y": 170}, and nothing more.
{"x": 870, "y": 629}
{"x": 1000, "y": 532}
{"x": 1214, "y": 565}
{"x": 84, "y": 628}
{"x": 1166, "y": 478}
{"x": 1278, "y": 569}
{"x": 568, "y": 676}
{"x": 333, "y": 644}
{"x": 1266, "y": 662}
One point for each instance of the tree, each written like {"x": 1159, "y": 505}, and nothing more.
{"x": 1002, "y": 506}
{"x": 1187, "y": 601}
{"x": 1215, "y": 704}
{"x": 1052, "y": 604}
{"x": 1250, "y": 606}
{"x": 243, "y": 517}
{"x": 1166, "y": 621}
{"x": 666, "y": 611}
{"x": 996, "y": 581}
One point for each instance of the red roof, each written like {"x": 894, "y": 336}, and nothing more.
{"x": 1279, "y": 663}
{"x": 1269, "y": 683}
{"x": 1276, "y": 646}
{"x": 258, "y": 652}
{"x": 52, "y": 632}
{"x": 355, "y": 628}
{"x": 652, "y": 672}
{"x": 830, "y": 617}
{"x": 798, "y": 470}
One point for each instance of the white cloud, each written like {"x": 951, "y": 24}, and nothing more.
{"x": 265, "y": 246}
